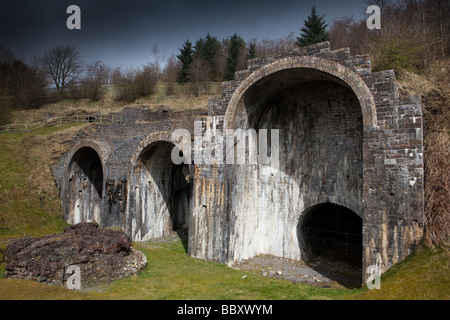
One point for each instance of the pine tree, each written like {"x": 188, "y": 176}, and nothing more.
{"x": 235, "y": 45}
{"x": 314, "y": 30}
{"x": 207, "y": 49}
{"x": 186, "y": 57}
{"x": 251, "y": 51}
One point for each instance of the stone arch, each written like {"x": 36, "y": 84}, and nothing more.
{"x": 321, "y": 110}
{"x": 148, "y": 140}
{"x": 85, "y": 181}
{"x": 344, "y": 74}
{"x": 103, "y": 149}
{"x": 158, "y": 190}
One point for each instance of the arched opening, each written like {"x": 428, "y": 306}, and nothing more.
{"x": 85, "y": 186}
{"x": 330, "y": 237}
{"x": 160, "y": 195}
{"x": 314, "y": 68}
{"x": 320, "y": 125}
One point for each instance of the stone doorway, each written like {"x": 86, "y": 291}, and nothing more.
{"x": 85, "y": 186}
{"x": 159, "y": 194}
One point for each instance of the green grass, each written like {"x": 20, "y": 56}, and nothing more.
{"x": 421, "y": 276}
{"x": 172, "y": 275}
{"x": 29, "y": 203}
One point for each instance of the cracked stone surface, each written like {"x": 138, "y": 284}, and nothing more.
{"x": 101, "y": 254}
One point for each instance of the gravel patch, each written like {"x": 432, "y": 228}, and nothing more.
{"x": 321, "y": 272}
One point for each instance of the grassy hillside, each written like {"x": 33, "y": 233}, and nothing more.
{"x": 29, "y": 205}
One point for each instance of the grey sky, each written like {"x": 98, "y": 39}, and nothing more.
{"x": 122, "y": 33}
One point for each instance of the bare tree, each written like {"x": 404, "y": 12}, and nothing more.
{"x": 146, "y": 79}
{"x": 6, "y": 59}
{"x": 199, "y": 73}
{"x": 63, "y": 65}
{"x": 157, "y": 60}
{"x": 97, "y": 75}
{"x": 170, "y": 74}
{"x": 439, "y": 17}
{"x": 125, "y": 84}
{"x": 171, "y": 69}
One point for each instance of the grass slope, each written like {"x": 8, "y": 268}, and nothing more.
{"x": 421, "y": 276}
{"x": 29, "y": 203}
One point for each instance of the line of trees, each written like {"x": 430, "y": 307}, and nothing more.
{"x": 25, "y": 82}
{"x": 414, "y": 32}
{"x": 210, "y": 59}
{"x": 60, "y": 73}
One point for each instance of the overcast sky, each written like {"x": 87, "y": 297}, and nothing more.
{"x": 122, "y": 33}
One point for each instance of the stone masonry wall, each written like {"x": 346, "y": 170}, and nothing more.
{"x": 391, "y": 194}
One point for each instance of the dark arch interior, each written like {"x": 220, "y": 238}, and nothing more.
{"x": 86, "y": 162}
{"x": 85, "y": 185}
{"x": 320, "y": 123}
{"x": 282, "y": 89}
{"x": 332, "y": 234}
{"x": 173, "y": 182}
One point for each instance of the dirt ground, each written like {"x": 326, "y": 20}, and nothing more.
{"x": 320, "y": 272}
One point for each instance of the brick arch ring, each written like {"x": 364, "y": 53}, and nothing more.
{"x": 103, "y": 150}
{"x": 159, "y": 136}
{"x": 350, "y": 77}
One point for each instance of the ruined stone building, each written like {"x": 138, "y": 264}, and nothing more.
{"x": 348, "y": 182}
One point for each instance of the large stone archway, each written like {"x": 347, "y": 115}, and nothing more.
{"x": 85, "y": 186}
{"x": 345, "y": 138}
{"x": 158, "y": 191}
{"x": 320, "y": 122}
{"x": 318, "y": 69}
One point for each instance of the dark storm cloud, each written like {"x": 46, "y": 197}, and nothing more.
{"x": 123, "y": 32}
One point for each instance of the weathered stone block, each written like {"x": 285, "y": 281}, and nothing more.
{"x": 100, "y": 254}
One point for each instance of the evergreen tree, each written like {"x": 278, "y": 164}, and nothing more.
{"x": 235, "y": 45}
{"x": 207, "y": 49}
{"x": 251, "y": 51}
{"x": 186, "y": 57}
{"x": 313, "y": 31}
